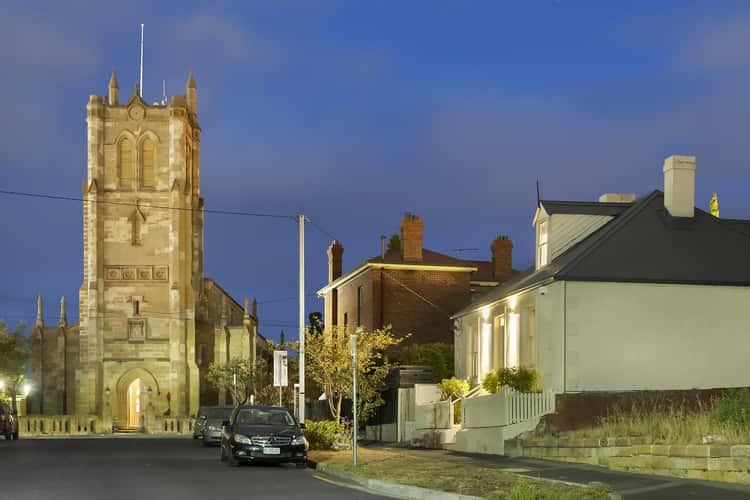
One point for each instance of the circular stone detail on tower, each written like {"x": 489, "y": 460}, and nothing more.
{"x": 136, "y": 112}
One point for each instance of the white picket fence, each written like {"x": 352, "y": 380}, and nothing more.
{"x": 506, "y": 407}
{"x": 520, "y": 406}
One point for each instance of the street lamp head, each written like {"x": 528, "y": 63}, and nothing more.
{"x": 2, "y": 384}
{"x": 107, "y": 391}
{"x": 149, "y": 390}
{"x": 26, "y": 389}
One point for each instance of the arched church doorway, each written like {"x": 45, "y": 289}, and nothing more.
{"x": 135, "y": 403}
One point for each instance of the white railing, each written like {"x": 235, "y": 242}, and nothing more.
{"x": 520, "y": 406}
{"x": 506, "y": 407}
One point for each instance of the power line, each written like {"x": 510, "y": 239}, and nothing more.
{"x": 284, "y": 299}
{"x": 320, "y": 228}
{"x": 130, "y": 204}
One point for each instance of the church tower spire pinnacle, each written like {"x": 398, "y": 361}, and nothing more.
{"x": 63, "y": 313}
{"x": 39, "y": 312}
{"x": 114, "y": 90}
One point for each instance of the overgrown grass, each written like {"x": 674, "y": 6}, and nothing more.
{"x": 659, "y": 421}
{"x": 439, "y": 470}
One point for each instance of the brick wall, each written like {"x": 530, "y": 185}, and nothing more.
{"x": 576, "y": 411}
{"x": 402, "y": 308}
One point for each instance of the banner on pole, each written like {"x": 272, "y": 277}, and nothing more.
{"x": 280, "y": 369}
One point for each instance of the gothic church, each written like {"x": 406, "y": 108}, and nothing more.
{"x": 150, "y": 322}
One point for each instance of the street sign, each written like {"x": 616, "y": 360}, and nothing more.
{"x": 280, "y": 369}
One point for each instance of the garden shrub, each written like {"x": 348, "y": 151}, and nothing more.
{"x": 454, "y": 387}
{"x": 324, "y": 434}
{"x": 733, "y": 409}
{"x": 521, "y": 379}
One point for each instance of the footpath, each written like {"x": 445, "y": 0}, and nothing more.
{"x": 444, "y": 475}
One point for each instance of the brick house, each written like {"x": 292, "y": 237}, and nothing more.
{"x": 413, "y": 289}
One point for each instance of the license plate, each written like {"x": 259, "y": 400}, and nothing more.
{"x": 271, "y": 451}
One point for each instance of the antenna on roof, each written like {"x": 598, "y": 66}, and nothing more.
{"x": 538, "y": 199}
{"x": 164, "y": 92}
{"x": 141, "y": 66}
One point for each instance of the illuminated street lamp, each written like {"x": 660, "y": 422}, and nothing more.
{"x": 26, "y": 389}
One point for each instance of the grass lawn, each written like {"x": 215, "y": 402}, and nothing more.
{"x": 438, "y": 470}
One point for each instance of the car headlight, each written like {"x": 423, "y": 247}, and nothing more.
{"x": 239, "y": 438}
{"x": 213, "y": 428}
{"x": 298, "y": 440}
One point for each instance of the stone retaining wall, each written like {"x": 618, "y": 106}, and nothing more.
{"x": 710, "y": 462}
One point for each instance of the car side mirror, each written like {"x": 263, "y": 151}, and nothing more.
{"x": 302, "y": 426}
{"x": 203, "y": 417}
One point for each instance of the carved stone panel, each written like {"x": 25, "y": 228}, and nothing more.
{"x": 137, "y": 329}
{"x": 136, "y": 273}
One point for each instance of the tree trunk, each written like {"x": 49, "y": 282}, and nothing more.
{"x": 338, "y": 409}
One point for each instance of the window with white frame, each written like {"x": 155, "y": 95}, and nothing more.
{"x": 541, "y": 252}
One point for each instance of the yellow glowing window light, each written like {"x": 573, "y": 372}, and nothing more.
{"x": 512, "y": 345}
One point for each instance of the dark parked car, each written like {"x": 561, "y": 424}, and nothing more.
{"x": 263, "y": 433}
{"x": 8, "y": 423}
{"x": 208, "y": 424}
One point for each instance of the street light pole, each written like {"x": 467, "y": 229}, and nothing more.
{"x": 301, "y": 317}
{"x": 354, "y": 395}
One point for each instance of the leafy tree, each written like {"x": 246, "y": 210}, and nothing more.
{"x": 329, "y": 364}
{"x": 14, "y": 354}
{"x": 222, "y": 377}
{"x": 394, "y": 243}
{"x": 438, "y": 355}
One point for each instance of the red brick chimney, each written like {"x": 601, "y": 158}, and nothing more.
{"x": 411, "y": 238}
{"x": 502, "y": 258}
{"x": 335, "y": 260}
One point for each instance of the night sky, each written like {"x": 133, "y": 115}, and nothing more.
{"x": 354, "y": 112}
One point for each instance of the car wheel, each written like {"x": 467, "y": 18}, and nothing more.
{"x": 222, "y": 455}
{"x": 301, "y": 465}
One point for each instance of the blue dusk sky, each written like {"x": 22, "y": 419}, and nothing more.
{"x": 354, "y": 112}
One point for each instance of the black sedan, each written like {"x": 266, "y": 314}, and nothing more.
{"x": 263, "y": 434}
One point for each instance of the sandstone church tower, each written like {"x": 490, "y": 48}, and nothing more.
{"x": 143, "y": 252}
{"x": 150, "y": 322}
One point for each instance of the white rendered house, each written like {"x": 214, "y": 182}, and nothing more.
{"x": 626, "y": 294}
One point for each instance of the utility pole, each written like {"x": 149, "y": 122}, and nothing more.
{"x": 301, "y": 222}
{"x": 354, "y": 395}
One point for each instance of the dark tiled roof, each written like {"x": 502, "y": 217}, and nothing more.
{"x": 584, "y": 207}
{"x": 644, "y": 244}
{"x": 429, "y": 258}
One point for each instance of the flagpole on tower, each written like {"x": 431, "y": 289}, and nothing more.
{"x": 140, "y": 84}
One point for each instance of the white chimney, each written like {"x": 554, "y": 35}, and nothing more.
{"x": 679, "y": 185}
{"x": 617, "y": 198}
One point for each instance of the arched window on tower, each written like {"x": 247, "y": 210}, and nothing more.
{"x": 148, "y": 160}
{"x": 125, "y": 166}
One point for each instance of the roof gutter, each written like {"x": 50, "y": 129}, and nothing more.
{"x": 404, "y": 267}
{"x": 505, "y": 297}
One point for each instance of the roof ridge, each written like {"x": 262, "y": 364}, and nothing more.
{"x": 596, "y": 238}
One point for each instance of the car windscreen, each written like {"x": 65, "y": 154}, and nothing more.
{"x": 261, "y": 416}
{"x": 216, "y": 413}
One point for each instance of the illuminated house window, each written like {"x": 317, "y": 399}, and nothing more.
{"x": 147, "y": 161}
{"x": 542, "y": 245}
{"x": 512, "y": 341}
{"x": 486, "y": 339}
{"x": 125, "y": 164}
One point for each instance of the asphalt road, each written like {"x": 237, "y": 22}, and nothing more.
{"x": 127, "y": 468}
